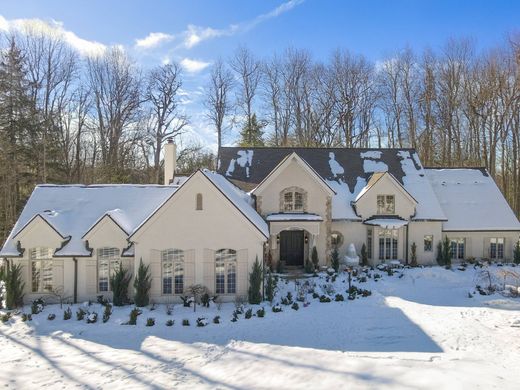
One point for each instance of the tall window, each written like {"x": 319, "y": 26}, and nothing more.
{"x": 225, "y": 271}
{"x": 369, "y": 243}
{"x": 172, "y": 271}
{"x": 336, "y": 239}
{"x": 198, "y": 202}
{"x": 293, "y": 202}
{"x": 41, "y": 269}
{"x": 496, "y": 248}
{"x": 428, "y": 243}
{"x": 457, "y": 248}
{"x": 385, "y": 204}
{"x": 388, "y": 244}
{"x": 108, "y": 264}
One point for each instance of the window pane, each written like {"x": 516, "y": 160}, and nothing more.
{"x": 36, "y": 274}
{"x": 390, "y": 206}
{"x": 493, "y": 250}
{"x": 298, "y": 201}
{"x": 428, "y": 243}
{"x": 47, "y": 275}
{"x": 103, "y": 275}
{"x": 167, "y": 272}
{"x": 461, "y": 250}
{"x": 394, "y": 248}
{"x": 179, "y": 278}
{"x": 380, "y": 204}
{"x": 288, "y": 201}
{"x": 231, "y": 279}
{"x": 369, "y": 243}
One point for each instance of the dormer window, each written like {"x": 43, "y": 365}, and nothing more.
{"x": 293, "y": 202}
{"x": 385, "y": 204}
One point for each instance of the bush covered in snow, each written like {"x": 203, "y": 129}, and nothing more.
{"x": 202, "y": 321}
{"x": 150, "y": 321}
{"x": 80, "y": 314}
{"x": 185, "y": 322}
{"x": 26, "y": 317}
{"x": 277, "y": 309}
{"x": 5, "y": 317}
{"x": 51, "y": 316}
{"x": 324, "y": 299}
{"x": 339, "y": 298}
{"x": 260, "y": 313}
{"x": 249, "y": 314}
{"x": 107, "y": 312}
{"x": 37, "y": 306}
{"x": 67, "y": 314}
{"x": 92, "y": 318}
{"x": 169, "y": 322}
{"x": 216, "y": 320}
{"x": 295, "y": 306}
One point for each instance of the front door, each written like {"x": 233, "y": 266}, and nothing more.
{"x": 291, "y": 247}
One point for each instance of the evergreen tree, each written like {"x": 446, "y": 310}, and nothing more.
{"x": 251, "y": 134}
{"x": 414, "y": 255}
{"x": 142, "y": 285}
{"x": 314, "y": 258}
{"x": 119, "y": 285}
{"x": 270, "y": 287}
{"x": 335, "y": 259}
{"x": 255, "y": 283}
{"x": 446, "y": 252}
{"x": 14, "y": 286}
{"x": 364, "y": 255}
{"x": 440, "y": 258}
{"x": 516, "y": 253}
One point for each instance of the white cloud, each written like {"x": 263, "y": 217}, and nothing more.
{"x": 153, "y": 40}
{"x": 193, "y": 66}
{"x": 53, "y": 29}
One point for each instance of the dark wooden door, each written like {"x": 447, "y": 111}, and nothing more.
{"x": 291, "y": 247}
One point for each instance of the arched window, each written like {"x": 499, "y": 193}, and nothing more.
{"x": 41, "y": 269}
{"x": 198, "y": 202}
{"x": 172, "y": 271}
{"x": 293, "y": 200}
{"x": 225, "y": 271}
{"x": 108, "y": 264}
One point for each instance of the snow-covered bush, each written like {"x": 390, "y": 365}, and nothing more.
{"x": 80, "y": 314}
{"x": 169, "y": 323}
{"x": 205, "y": 299}
{"x": 202, "y": 321}
{"x": 235, "y": 316}
{"x": 67, "y": 314}
{"x": 216, "y": 320}
{"x": 185, "y": 322}
{"x": 150, "y": 321}
{"x": 260, "y": 313}
{"x": 339, "y": 298}
{"x": 196, "y": 291}
{"x": 334, "y": 259}
{"x": 37, "y": 306}
{"x": 295, "y": 306}
{"x": 5, "y": 317}
{"x": 51, "y": 316}
{"x": 107, "y": 312}
{"x": 92, "y": 318}
{"x": 324, "y": 299}
{"x": 270, "y": 287}
{"x": 133, "y": 316}
{"x": 277, "y": 309}
{"x": 26, "y": 317}
{"x": 169, "y": 310}
{"x": 186, "y": 301}
{"x": 249, "y": 314}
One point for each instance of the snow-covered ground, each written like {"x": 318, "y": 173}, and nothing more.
{"x": 418, "y": 330}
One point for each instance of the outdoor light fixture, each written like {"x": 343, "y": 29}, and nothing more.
{"x": 277, "y": 238}
{"x": 306, "y": 239}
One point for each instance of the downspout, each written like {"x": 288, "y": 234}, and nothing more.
{"x": 406, "y": 251}
{"x": 75, "y": 279}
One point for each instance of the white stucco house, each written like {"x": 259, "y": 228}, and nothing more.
{"x": 274, "y": 203}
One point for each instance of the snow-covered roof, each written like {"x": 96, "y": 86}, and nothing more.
{"x": 279, "y": 217}
{"x": 239, "y": 198}
{"x": 345, "y": 170}
{"x": 387, "y": 223}
{"x": 471, "y": 200}
{"x": 73, "y": 209}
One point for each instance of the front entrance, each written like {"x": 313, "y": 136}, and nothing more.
{"x": 291, "y": 247}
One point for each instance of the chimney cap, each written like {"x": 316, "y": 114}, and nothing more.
{"x": 170, "y": 140}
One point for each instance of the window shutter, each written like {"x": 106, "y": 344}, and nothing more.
{"x": 242, "y": 272}
{"x": 91, "y": 276}
{"x": 189, "y": 268}
{"x": 57, "y": 275}
{"x": 209, "y": 269}
{"x": 155, "y": 271}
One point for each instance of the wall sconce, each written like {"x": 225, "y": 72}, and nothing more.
{"x": 306, "y": 239}
{"x": 277, "y": 238}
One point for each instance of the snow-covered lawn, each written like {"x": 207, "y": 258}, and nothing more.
{"x": 421, "y": 330}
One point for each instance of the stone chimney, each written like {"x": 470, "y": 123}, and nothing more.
{"x": 170, "y": 158}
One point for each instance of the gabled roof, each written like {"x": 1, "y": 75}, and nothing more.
{"x": 285, "y": 163}
{"x": 471, "y": 200}
{"x": 33, "y": 219}
{"x": 235, "y": 195}
{"x": 346, "y": 170}
{"x": 376, "y": 176}
{"x": 73, "y": 209}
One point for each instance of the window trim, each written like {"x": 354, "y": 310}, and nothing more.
{"x": 459, "y": 242}
{"x": 175, "y": 262}
{"x": 37, "y": 256}
{"x": 390, "y": 246}
{"x": 113, "y": 260}
{"x": 381, "y": 207}
{"x": 298, "y": 197}
{"x": 431, "y": 243}
{"x": 497, "y": 250}
{"x": 227, "y": 264}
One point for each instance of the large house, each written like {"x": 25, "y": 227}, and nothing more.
{"x": 262, "y": 203}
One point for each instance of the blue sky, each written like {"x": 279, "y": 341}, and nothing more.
{"x": 195, "y": 33}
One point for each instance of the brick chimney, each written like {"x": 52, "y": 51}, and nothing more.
{"x": 170, "y": 158}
